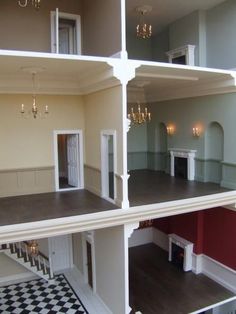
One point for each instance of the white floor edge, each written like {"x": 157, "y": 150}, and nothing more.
{"x": 92, "y": 303}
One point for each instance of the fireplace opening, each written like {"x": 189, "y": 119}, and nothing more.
{"x": 181, "y": 168}
{"x": 177, "y": 257}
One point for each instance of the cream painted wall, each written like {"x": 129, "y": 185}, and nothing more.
{"x": 28, "y": 29}
{"x": 110, "y": 267}
{"x": 102, "y": 27}
{"x": 8, "y": 267}
{"x": 103, "y": 111}
{"x": 27, "y": 143}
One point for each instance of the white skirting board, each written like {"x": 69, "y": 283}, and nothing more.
{"x": 14, "y": 279}
{"x": 202, "y": 263}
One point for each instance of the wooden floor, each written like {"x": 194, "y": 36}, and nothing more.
{"x": 28, "y": 208}
{"x": 148, "y": 187}
{"x": 159, "y": 287}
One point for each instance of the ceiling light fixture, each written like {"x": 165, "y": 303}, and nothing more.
{"x": 34, "y": 3}
{"x": 143, "y": 30}
{"x": 33, "y": 247}
{"x": 34, "y": 110}
{"x": 139, "y": 116}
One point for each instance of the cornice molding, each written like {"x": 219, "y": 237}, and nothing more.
{"x": 73, "y": 224}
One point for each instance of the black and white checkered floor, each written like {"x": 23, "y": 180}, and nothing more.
{"x": 38, "y": 297}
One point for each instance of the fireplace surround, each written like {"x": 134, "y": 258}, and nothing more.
{"x": 177, "y": 241}
{"x": 189, "y": 154}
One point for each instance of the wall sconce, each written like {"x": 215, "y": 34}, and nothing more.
{"x": 196, "y": 132}
{"x": 170, "y": 130}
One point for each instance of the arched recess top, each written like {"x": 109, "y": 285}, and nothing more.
{"x": 215, "y": 141}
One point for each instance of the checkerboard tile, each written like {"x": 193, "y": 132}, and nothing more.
{"x": 38, "y": 297}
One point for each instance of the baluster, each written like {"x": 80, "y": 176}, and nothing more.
{"x": 44, "y": 266}
{"x": 20, "y": 249}
{"x": 26, "y": 253}
{"x": 39, "y": 264}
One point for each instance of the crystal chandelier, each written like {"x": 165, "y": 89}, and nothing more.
{"x": 143, "y": 30}
{"x": 139, "y": 116}
{"x": 24, "y": 3}
{"x": 33, "y": 247}
{"x": 34, "y": 111}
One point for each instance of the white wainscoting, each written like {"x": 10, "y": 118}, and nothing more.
{"x": 202, "y": 263}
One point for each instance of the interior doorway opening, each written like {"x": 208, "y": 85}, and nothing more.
{"x": 108, "y": 164}
{"x": 68, "y": 149}
{"x": 65, "y": 33}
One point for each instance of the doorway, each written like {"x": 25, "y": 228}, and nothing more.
{"x": 89, "y": 264}
{"x": 68, "y": 156}
{"x": 65, "y": 33}
{"x": 108, "y": 164}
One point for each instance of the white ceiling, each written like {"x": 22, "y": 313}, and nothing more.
{"x": 165, "y": 12}
{"x": 159, "y": 81}
{"x": 73, "y": 75}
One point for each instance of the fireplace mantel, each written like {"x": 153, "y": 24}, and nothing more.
{"x": 183, "y": 153}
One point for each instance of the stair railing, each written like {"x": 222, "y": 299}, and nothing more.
{"x": 39, "y": 260}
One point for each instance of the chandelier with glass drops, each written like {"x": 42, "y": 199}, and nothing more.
{"x": 143, "y": 29}
{"x": 139, "y": 116}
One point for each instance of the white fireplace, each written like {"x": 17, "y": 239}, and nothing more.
{"x": 189, "y": 154}
{"x": 187, "y": 247}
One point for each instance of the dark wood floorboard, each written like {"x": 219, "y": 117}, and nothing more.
{"x": 148, "y": 187}
{"x": 159, "y": 287}
{"x": 28, "y": 208}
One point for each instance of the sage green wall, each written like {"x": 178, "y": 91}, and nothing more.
{"x": 201, "y": 111}
{"x": 160, "y": 45}
{"x": 147, "y": 149}
{"x": 137, "y": 147}
{"x": 138, "y": 49}
{"x": 185, "y": 31}
{"x": 221, "y": 43}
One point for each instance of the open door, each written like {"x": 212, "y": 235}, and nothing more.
{"x": 65, "y": 33}
{"x": 68, "y": 155}
{"x": 108, "y": 164}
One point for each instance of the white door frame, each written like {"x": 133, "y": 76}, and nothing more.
{"x": 88, "y": 236}
{"x": 80, "y": 155}
{"x": 55, "y": 15}
{"x": 104, "y": 164}
{"x": 69, "y": 250}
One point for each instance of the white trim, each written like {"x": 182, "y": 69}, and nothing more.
{"x": 197, "y": 263}
{"x": 214, "y": 306}
{"x": 187, "y": 51}
{"x": 141, "y": 236}
{"x": 92, "y": 301}
{"x": 89, "y": 237}
{"x": 189, "y": 154}
{"x": 55, "y": 16}
{"x": 80, "y": 162}
{"x": 104, "y": 164}
{"x": 110, "y": 218}
{"x": 17, "y": 278}
{"x": 220, "y": 273}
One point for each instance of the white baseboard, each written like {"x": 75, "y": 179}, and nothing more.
{"x": 201, "y": 263}
{"x": 149, "y": 235}
{"x": 197, "y": 263}
{"x": 220, "y": 273}
{"x": 161, "y": 239}
{"x": 14, "y": 279}
{"x": 141, "y": 236}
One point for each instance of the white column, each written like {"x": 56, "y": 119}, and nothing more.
{"x": 191, "y": 167}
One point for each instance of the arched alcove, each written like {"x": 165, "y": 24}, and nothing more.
{"x": 214, "y": 152}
